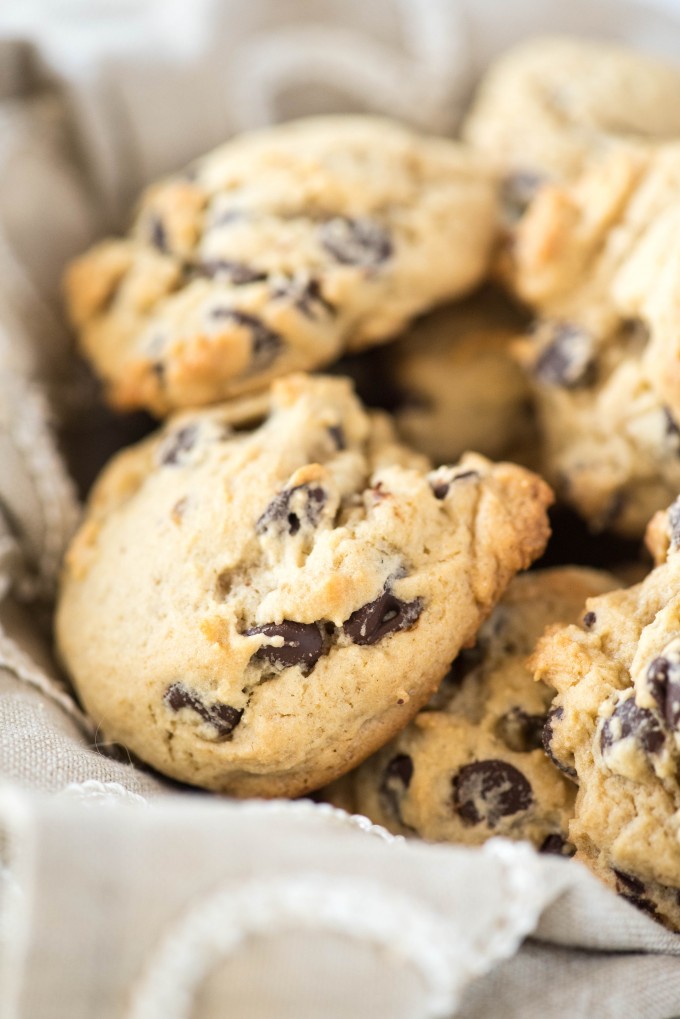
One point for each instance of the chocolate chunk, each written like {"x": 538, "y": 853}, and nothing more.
{"x": 159, "y": 236}
{"x": 556, "y": 845}
{"x": 309, "y": 505}
{"x": 674, "y": 523}
{"x": 266, "y": 344}
{"x": 517, "y": 192}
{"x": 486, "y": 791}
{"x": 628, "y": 720}
{"x": 589, "y": 620}
{"x": 356, "y": 241}
{"x": 568, "y": 359}
{"x": 306, "y": 295}
{"x": 222, "y": 717}
{"x": 520, "y": 731}
{"x": 337, "y": 434}
{"x": 672, "y": 430}
{"x": 396, "y": 780}
{"x": 663, "y": 676}
{"x": 378, "y": 618}
{"x": 555, "y": 713}
{"x": 180, "y": 442}
{"x": 303, "y": 645}
{"x": 633, "y": 890}
{"x": 440, "y": 489}
{"x": 237, "y": 273}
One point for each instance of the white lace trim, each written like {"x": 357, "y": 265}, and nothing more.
{"x": 16, "y": 845}
{"x": 523, "y": 900}
{"x": 95, "y": 793}
{"x": 215, "y": 928}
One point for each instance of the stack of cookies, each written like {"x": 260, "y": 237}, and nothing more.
{"x": 281, "y": 592}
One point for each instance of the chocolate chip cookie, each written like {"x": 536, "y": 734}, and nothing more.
{"x": 471, "y": 764}
{"x": 615, "y": 728}
{"x": 548, "y": 105}
{"x": 276, "y": 253}
{"x": 599, "y": 262}
{"x": 257, "y": 611}
{"x": 457, "y": 386}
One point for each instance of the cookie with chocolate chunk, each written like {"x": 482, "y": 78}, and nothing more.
{"x": 609, "y": 445}
{"x": 599, "y": 262}
{"x": 255, "y": 612}
{"x": 548, "y": 105}
{"x": 278, "y": 252}
{"x": 471, "y": 764}
{"x": 615, "y": 727}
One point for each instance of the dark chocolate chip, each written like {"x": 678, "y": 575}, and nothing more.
{"x": 222, "y": 717}
{"x": 663, "y": 677}
{"x": 486, "y": 791}
{"x": 634, "y": 333}
{"x": 674, "y": 523}
{"x": 356, "y": 241}
{"x": 672, "y": 430}
{"x": 266, "y": 344}
{"x": 396, "y": 780}
{"x": 633, "y": 890}
{"x": 440, "y": 489}
{"x": 556, "y": 845}
{"x": 378, "y": 618}
{"x": 337, "y": 434}
{"x": 613, "y": 511}
{"x": 520, "y": 731}
{"x": 279, "y": 512}
{"x": 237, "y": 273}
{"x": 629, "y": 720}
{"x": 303, "y": 645}
{"x": 306, "y": 295}
{"x": 589, "y": 620}
{"x": 555, "y": 713}
{"x": 517, "y": 192}
{"x": 159, "y": 236}
{"x": 180, "y": 442}
{"x": 568, "y": 359}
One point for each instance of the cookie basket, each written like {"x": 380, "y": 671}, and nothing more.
{"x": 126, "y": 896}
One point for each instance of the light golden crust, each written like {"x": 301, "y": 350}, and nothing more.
{"x": 277, "y": 252}
{"x": 471, "y": 764}
{"x": 367, "y": 572}
{"x": 599, "y": 261}
{"x": 615, "y": 727}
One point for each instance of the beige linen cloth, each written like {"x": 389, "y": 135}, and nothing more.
{"x": 122, "y": 896}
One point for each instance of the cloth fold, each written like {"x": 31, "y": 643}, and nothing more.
{"x": 179, "y": 903}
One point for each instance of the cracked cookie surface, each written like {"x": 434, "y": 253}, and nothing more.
{"x": 615, "y": 727}
{"x": 471, "y": 765}
{"x": 277, "y": 253}
{"x": 599, "y": 261}
{"x": 256, "y": 612}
